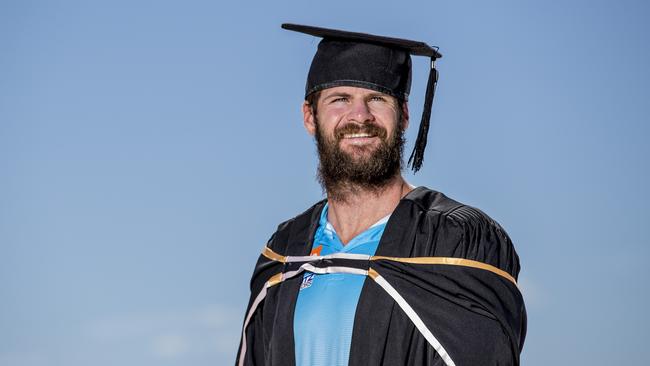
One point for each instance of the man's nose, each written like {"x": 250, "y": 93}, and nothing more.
{"x": 360, "y": 112}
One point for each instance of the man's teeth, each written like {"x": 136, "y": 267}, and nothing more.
{"x": 356, "y": 135}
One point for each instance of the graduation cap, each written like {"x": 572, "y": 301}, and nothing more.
{"x": 372, "y": 62}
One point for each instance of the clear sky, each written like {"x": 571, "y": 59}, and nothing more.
{"x": 148, "y": 149}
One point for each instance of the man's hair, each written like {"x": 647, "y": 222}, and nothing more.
{"x": 312, "y": 102}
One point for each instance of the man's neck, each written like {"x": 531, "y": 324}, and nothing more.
{"x": 364, "y": 207}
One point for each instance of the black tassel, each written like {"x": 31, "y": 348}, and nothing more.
{"x": 417, "y": 156}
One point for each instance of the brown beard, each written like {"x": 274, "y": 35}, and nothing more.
{"x": 341, "y": 173}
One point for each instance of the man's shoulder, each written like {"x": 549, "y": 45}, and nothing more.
{"x": 297, "y": 229}
{"x": 460, "y": 230}
{"x": 434, "y": 203}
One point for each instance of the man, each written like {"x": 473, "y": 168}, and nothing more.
{"x": 381, "y": 272}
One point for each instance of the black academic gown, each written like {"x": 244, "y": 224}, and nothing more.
{"x": 478, "y": 316}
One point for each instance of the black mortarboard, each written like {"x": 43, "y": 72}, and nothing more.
{"x": 373, "y": 62}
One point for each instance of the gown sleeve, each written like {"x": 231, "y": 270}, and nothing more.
{"x": 478, "y": 316}
{"x": 256, "y": 344}
{"x": 468, "y": 233}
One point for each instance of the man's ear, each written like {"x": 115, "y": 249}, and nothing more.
{"x": 405, "y": 115}
{"x": 308, "y": 118}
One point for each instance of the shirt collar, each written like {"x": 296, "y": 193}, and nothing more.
{"x": 328, "y": 226}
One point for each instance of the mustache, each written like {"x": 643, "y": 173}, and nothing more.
{"x": 370, "y": 129}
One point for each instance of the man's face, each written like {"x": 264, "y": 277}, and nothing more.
{"x": 359, "y": 135}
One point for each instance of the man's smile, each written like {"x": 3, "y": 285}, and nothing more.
{"x": 360, "y": 135}
{"x": 357, "y": 135}
{"x": 359, "y": 138}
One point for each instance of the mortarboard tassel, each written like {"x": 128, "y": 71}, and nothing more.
{"x": 417, "y": 156}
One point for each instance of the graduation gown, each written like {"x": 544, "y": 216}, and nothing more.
{"x": 440, "y": 290}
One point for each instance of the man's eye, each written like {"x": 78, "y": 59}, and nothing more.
{"x": 340, "y": 99}
{"x": 377, "y": 98}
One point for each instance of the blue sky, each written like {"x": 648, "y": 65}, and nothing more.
{"x": 148, "y": 149}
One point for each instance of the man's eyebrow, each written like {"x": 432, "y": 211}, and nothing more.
{"x": 338, "y": 94}
{"x": 378, "y": 94}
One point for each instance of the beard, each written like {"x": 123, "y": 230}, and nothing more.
{"x": 366, "y": 168}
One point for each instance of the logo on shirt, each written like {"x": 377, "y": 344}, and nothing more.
{"x": 307, "y": 280}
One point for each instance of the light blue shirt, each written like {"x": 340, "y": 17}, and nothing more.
{"x": 324, "y": 314}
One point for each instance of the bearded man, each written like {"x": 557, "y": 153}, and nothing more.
{"x": 380, "y": 272}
